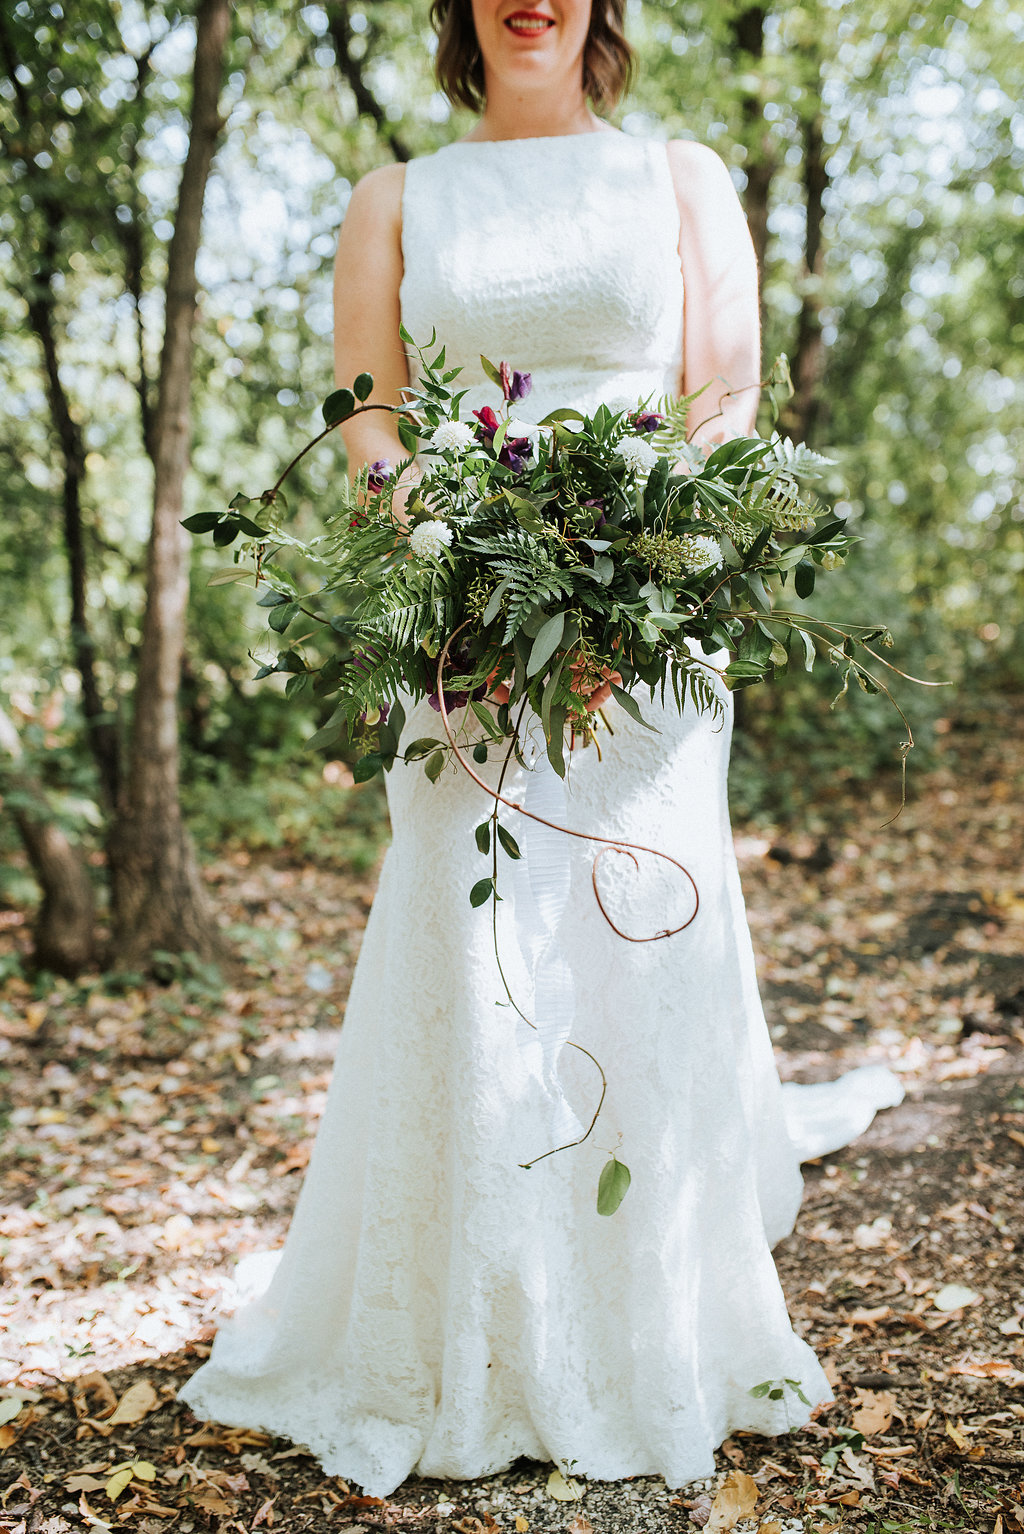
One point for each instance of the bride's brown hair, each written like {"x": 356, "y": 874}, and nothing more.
{"x": 607, "y": 57}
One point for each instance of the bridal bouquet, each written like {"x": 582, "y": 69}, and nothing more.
{"x": 533, "y": 570}
{"x": 535, "y": 564}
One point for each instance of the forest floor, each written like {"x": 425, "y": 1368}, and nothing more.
{"x": 157, "y": 1134}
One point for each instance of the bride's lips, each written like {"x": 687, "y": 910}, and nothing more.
{"x": 528, "y": 23}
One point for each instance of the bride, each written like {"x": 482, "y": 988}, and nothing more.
{"x": 437, "y": 1308}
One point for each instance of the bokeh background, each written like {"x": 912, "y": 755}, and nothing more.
{"x": 878, "y": 150}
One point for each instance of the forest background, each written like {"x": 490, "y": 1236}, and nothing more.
{"x": 173, "y": 178}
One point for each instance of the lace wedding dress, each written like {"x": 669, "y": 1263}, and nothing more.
{"x": 437, "y": 1308}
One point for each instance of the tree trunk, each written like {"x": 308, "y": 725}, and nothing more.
{"x": 804, "y": 411}
{"x": 159, "y": 901}
{"x": 761, "y": 162}
{"x": 101, "y": 728}
{"x": 64, "y": 930}
{"x": 366, "y": 102}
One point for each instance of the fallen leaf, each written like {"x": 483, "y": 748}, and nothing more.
{"x": 769, "y": 1528}
{"x": 94, "y": 1384}
{"x": 953, "y": 1297}
{"x": 563, "y": 1488}
{"x": 9, "y": 1409}
{"x": 956, "y": 1435}
{"x": 119, "y": 1482}
{"x": 873, "y": 1411}
{"x": 736, "y": 1498}
{"x": 522, "y": 1524}
{"x": 581, "y": 1524}
{"x": 986, "y": 1369}
{"x": 134, "y": 1406}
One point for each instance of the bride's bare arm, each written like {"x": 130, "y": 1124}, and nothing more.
{"x": 721, "y": 322}
{"x": 367, "y": 275}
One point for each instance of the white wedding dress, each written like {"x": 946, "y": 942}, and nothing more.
{"x": 437, "y": 1308}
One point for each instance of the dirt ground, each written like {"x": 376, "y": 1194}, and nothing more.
{"x": 154, "y": 1135}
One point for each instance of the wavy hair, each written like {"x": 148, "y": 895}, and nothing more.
{"x": 459, "y": 66}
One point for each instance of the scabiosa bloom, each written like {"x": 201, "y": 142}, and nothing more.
{"x": 646, "y": 421}
{"x": 701, "y": 552}
{"x": 427, "y": 539}
{"x": 452, "y": 437}
{"x": 378, "y": 476}
{"x": 638, "y": 456}
{"x": 514, "y": 385}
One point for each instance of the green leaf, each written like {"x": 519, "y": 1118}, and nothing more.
{"x": 396, "y": 719}
{"x": 363, "y": 387}
{"x": 481, "y": 892}
{"x": 230, "y": 577}
{"x": 201, "y": 522}
{"x": 224, "y": 533}
{"x": 494, "y": 602}
{"x": 404, "y": 335}
{"x": 407, "y": 435}
{"x": 804, "y": 578}
{"x": 281, "y": 616}
{"x": 367, "y": 767}
{"x": 624, "y": 700}
{"x": 296, "y": 683}
{"x": 491, "y": 371}
{"x": 545, "y": 644}
{"x": 483, "y": 837}
{"x": 250, "y": 528}
{"x": 238, "y": 501}
{"x": 486, "y": 718}
{"x": 434, "y": 766}
{"x": 338, "y": 406}
{"x": 272, "y": 598}
{"x": 422, "y": 747}
{"x": 612, "y": 1186}
{"x": 332, "y": 731}
{"x": 755, "y": 645}
{"x": 480, "y": 753}
{"x": 758, "y": 1391}
{"x": 508, "y": 842}
{"x": 555, "y": 735}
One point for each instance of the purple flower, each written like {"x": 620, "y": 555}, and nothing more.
{"x": 514, "y": 450}
{"x": 458, "y": 660}
{"x": 380, "y": 473}
{"x": 647, "y": 420}
{"x": 514, "y": 385}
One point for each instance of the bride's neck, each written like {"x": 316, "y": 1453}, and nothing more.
{"x": 508, "y": 115}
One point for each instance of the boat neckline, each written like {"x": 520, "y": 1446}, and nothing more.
{"x": 541, "y": 138}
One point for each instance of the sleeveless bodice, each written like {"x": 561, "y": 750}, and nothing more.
{"x": 558, "y": 255}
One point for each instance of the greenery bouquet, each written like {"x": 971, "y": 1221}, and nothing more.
{"x": 534, "y": 565}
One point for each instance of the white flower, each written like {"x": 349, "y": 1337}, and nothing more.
{"x": 701, "y": 552}
{"x": 427, "y": 539}
{"x": 831, "y": 560}
{"x": 452, "y": 437}
{"x": 638, "y": 456}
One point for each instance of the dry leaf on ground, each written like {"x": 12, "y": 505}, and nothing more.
{"x": 873, "y": 1411}
{"x": 736, "y": 1498}
{"x": 563, "y": 1488}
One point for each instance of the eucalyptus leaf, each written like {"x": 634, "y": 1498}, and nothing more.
{"x": 546, "y": 643}
{"x": 612, "y": 1186}
{"x": 626, "y": 701}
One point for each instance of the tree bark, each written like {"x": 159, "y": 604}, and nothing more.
{"x": 158, "y": 897}
{"x": 804, "y": 412}
{"x": 101, "y": 727}
{"x": 761, "y": 162}
{"x": 366, "y": 102}
{"x": 64, "y": 929}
